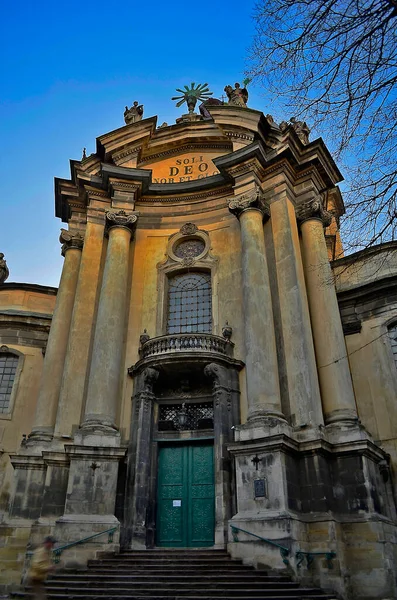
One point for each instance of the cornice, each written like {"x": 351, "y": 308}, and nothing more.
{"x": 187, "y": 199}
{"x": 185, "y": 148}
{"x": 29, "y": 287}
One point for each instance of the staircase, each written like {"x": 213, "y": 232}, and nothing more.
{"x": 173, "y": 575}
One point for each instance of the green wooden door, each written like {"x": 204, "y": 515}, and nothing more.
{"x": 185, "y": 499}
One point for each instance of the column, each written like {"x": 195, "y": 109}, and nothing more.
{"x": 51, "y": 378}
{"x": 260, "y": 345}
{"x": 104, "y": 376}
{"x": 300, "y": 361}
{"x": 332, "y": 364}
{"x": 75, "y": 374}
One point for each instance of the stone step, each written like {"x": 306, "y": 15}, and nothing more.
{"x": 301, "y": 594}
{"x": 168, "y": 563}
{"x": 172, "y": 587}
{"x": 142, "y": 578}
{"x": 172, "y": 575}
{"x": 175, "y": 551}
{"x": 242, "y": 569}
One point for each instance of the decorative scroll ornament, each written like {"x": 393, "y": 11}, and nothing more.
{"x": 121, "y": 219}
{"x": 70, "y": 240}
{"x": 4, "y": 272}
{"x": 313, "y": 209}
{"x": 250, "y": 200}
{"x": 188, "y": 229}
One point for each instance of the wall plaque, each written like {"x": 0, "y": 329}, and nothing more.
{"x": 260, "y": 488}
{"x": 183, "y": 168}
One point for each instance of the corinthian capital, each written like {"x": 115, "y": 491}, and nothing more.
{"x": 121, "y": 219}
{"x": 253, "y": 199}
{"x": 313, "y": 209}
{"x": 70, "y": 240}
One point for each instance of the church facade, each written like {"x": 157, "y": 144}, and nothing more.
{"x": 208, "y": 374}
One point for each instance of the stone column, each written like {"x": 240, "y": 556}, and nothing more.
{"x": 104, "y": 377}
{"x": 54, "y": 359}
{"x": 222, "y": 393}
{"x": 263, "y": 389}
{"x": 332, "y": 364}
{"x": 77, "y": 356}
{"x": 300, "y": 362}
{"x": 141, "y": 506}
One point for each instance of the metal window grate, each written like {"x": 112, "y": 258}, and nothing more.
{"x": 8, "y": 368}
{"x": 197, "y": 415}
{"x": 189, "y": 303}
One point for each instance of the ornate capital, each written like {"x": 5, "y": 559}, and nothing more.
{"x": 70, "y": 240}
{"x": 248, "y": 201}
{"x": 313, "y": 209}
{"x": 121, "y": 219}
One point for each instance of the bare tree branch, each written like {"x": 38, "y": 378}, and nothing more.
{"x": 334, "y": 63}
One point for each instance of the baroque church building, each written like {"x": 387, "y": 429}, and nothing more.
{"x": 210, "y": 372}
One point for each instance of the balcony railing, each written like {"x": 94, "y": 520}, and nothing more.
{"x": 186, "y": 342}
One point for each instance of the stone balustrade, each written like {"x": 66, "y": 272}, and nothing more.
{"x": 186, "y": 342}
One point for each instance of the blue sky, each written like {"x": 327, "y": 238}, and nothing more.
{"x": 67, "y": 71}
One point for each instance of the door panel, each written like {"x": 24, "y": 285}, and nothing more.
{"x": 170, "y": 528}
{"x": 201, "y": 488}
{"x": 185, "y": 504}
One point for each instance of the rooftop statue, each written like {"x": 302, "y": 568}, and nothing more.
{"x": 4, "y": 272}
{"x": 133, "y": 114}
{"x": 192, "y": 95}
{"x": 238, "y": 96}
{"x": 301, "y": 128}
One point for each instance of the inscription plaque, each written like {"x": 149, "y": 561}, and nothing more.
{"x": 260, "y": 488}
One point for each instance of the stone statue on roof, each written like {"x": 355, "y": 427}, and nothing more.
{"x": 133, "y": 114}
{"x": 301, "y": 129}
{"x": 237, "y": 96}
{"x": 4, "y": 272}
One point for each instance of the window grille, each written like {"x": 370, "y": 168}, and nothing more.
{"x": 189, "y": 303}
{"x": 189, "y": 248}
{"x": 393, "y": 341}
{"x": 8, "y": 368}
{"x": 197, "y": 415}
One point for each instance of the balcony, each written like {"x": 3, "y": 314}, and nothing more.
{"x": 186, "y": 343}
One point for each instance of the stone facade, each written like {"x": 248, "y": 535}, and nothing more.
{"x": 204, "y": 300}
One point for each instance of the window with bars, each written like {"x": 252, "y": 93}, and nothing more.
{"x": 8, "y": 368}
{"x": 182, "y": 416}
{"x": 393, "y": 340}
{"x": 189, "y": 303}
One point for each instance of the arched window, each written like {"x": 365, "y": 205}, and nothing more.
{"x": 8, "y": 369}
{"x": 393, "y": 340}
{"x": 189, "y": 303}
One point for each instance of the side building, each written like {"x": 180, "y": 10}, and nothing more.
{"x": 211, "y": 374}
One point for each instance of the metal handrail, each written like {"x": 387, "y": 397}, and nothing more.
{"x": 58, "y": 551}
{"x": 300, "y": 555}
{"x": 284, "y": 552}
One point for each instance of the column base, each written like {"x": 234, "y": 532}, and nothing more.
{"x": 341, "y": 415}
{"x": 40, "y": 435}
{"x": 97, "y": 432}
{"x": 262, "y": 425}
